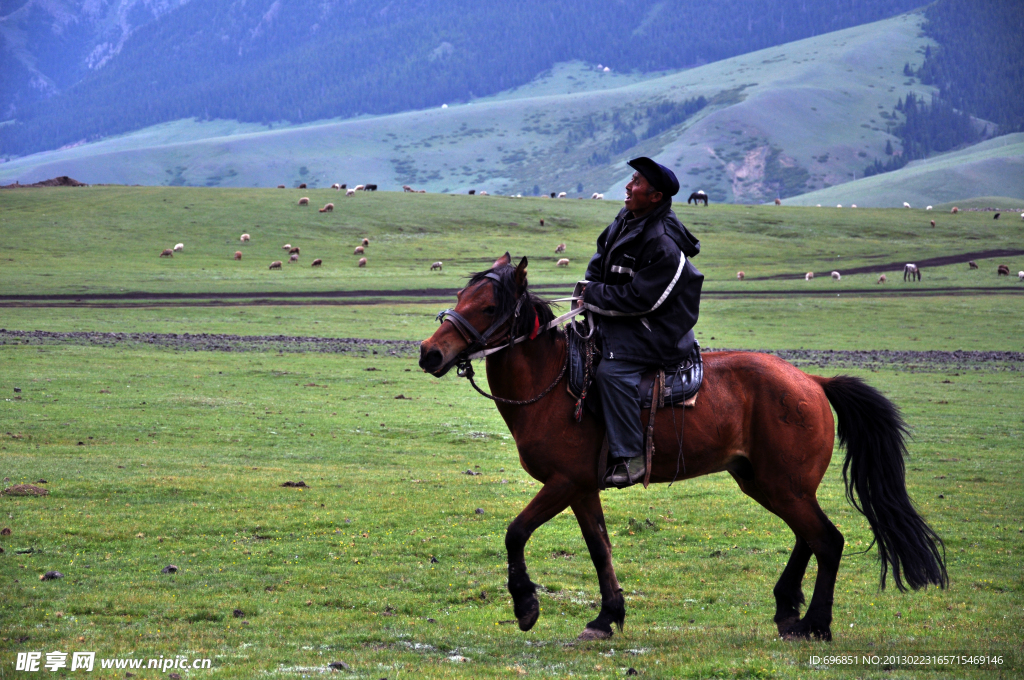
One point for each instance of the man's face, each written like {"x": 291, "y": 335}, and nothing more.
{"x": 640, "y": 196}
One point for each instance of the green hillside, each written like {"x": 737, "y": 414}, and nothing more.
{"x": 991, "y": 168}
{"x": 778, "y": 122}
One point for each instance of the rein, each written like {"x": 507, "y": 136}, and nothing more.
{"x": 478, "y": 341}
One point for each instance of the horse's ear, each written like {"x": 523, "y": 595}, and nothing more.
{"x": 521, "y": 274}
{"x": 502, "y": 261}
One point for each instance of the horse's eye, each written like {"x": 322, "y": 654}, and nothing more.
{"x": 489, "y": 310}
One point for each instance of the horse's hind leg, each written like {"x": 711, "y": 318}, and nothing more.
{"x": 815, "y": 534}
{"x": 613, "y": 607}
{"x": 553, "y": 497}
{"x": 811, "y": 525}
{"x": 788, "y": 593}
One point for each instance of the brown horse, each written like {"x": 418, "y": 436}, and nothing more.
{"x": 757, "y": 417}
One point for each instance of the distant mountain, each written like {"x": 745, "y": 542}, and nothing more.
{"x": 778, "y": 122}
{"x": 79, "y": 70}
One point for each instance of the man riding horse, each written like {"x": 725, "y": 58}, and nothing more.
{"x": 645, "y": 295}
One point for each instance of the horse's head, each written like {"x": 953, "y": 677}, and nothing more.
{"x": 487, "y": 309}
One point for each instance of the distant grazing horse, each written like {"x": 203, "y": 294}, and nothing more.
{"x": 912, "y": 272}
{"x": 757, "y": 417}
{"x": 697, "y": 197}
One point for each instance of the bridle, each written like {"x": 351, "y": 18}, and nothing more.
{"x": 478, "y": 349}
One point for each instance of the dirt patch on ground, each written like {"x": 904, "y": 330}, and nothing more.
{"x": 62, "y": 181}
{"x": 806, "y": 358}
{"x": 25, "y": 490}
{"x": 961, "y": 258}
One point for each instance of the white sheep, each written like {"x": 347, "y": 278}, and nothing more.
{"x": 836, "y": 276}
{"x": 740, "y": 275}
{"x": 905, "y": 204}
{"x": 245, "y": 238}
{"x": 839, "y": 205}
{"x": 294, "y": 257}
{"x": 350, "y": 192}
{"x": 336, "y": 187}
{"x": 562, "y": 194}
{"x": 483, "y": 193}
{"x": 853, "y": 205}
{"x": 286, "y": 246}
{"x": 808, "y": 276}
{"x": 564, "y": 262}
{"x": 593, "y": 195}
{"x": 928, "y": 207}
{"x": 1020, "y": 276}
{"x": 360, "y": 187}
{"x": 437, "y": 265}
{"x": 179, "y": 247}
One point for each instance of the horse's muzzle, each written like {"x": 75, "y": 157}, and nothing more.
{"x": 432, "y": 361}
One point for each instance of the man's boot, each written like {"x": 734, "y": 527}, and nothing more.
{"x": 626, "y": 472}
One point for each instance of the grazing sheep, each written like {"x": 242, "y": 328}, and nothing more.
{"x": 436, "y": 265}
{"x": 1022, "y": 215}
{"x": 542, "y": 223}
{"x": 167, "y": 252}
{"x": 560, "y": 248}
{"x": 302, "y": 186}
{"x": 422, "y": 191}
{"x": 280, "y": 186}
{"x": 933, "y": 223}
{"x": 238, "y": 254}
{"x": 327, "y": 208}
{"x": 599, "y": 197}
{"x": 562, "y": 194}
{"x": 483, "y": 193}
{"x": 1020, "y": 276}
{"x": 853, "y": 205}
{"x": 294, "y": 251}
{"x": 881, "y": 279}
{"x": 362, "y": 262}
{"x": 778, "y": 201}
{"x": 928, "y": 207}
{"x": 366, "y": 242}
{"x": 996, "y": 216}
{"x": 593, "y": 195}
{"x": 552, "y": 194}
{"x": 179, "y": 247}
{"x": 471, "y": 192}
{"x": 276, "y": 264}
{"x": 740, "y": 275}
{"x": 304, "y": 200}
{"x": 360, "y": 187}
{"x": 836, "y": 276}
{"x": 358, "y": 251}
{"x": 317, "y": 262}
{"x": 350, "y": 192}
{"x": 955, "y": 210}
{"x": 971, "y": 264}
{"x": 406, "y": 188}
{"x": 336, "y": 187}
{"x": 808, "y": 276}
{"x": 245, "y": 238}
{"x": 564, "y": 262}
{"x": 294, "y": 257}
{"x": 1004, "y": 270}
{"x": 912, "y": 271}
{"x": 905, "y": 204}
{"x": 286, "y": 246}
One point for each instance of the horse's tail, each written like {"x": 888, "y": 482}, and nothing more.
{"x": 872, "y": 430}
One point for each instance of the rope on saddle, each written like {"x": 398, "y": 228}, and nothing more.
{"x": 657, "y": 399}
{"x": 589, "y": 347}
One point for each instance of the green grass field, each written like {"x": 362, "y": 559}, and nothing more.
{"x": 155, "y": 457}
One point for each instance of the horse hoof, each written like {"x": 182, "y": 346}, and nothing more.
{"x": 595, "y": 634}
{"x": 529, "y": 617}
{"x": 786, "y": 624}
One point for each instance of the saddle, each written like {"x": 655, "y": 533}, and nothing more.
{"x": 682, "y": 382}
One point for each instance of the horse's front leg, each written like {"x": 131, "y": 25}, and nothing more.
{"x": 553, "y": 497}
{"x": 613, "y": 607}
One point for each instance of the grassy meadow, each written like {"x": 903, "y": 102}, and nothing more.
{"x": 154, "y": 457}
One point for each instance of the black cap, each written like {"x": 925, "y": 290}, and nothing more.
{"x": 657, "y": 175}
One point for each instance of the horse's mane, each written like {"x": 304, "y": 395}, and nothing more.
{"x": 505, "y": 300}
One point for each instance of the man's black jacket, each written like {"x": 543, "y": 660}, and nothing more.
{"x": 644, "y": 289}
